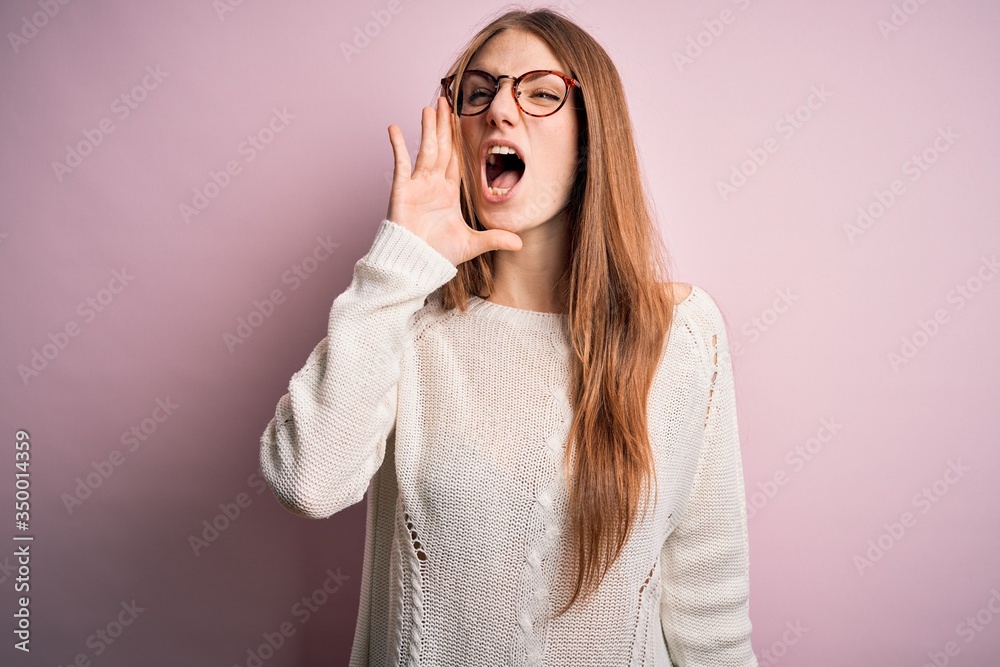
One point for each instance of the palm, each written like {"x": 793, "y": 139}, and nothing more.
{"x": 427, "y": 201}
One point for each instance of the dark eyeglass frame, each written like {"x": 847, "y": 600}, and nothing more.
{"x": 570, "y": 83}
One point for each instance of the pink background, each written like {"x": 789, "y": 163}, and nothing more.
{"x": 815, "y": 312}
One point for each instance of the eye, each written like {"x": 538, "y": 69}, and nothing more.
{"x": 545, "y": 93}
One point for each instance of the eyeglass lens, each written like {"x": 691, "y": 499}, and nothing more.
{"x": 539, "y": 94}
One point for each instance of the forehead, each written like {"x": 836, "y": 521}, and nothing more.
{"x": 515, "y": 52}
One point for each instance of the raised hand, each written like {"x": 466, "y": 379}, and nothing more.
{"x": 426, "y": 201}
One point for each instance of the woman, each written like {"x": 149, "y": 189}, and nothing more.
{"x": 499, "y": 378}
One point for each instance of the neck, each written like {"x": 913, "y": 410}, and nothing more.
{"x": 528, "y": 278}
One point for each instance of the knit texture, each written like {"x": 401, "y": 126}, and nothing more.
{"x": 455, "y": 425}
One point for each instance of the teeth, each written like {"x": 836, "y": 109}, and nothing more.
{"x": 499, "y": 191}
{"x": 501, "y": 149}
{"x": 494, "y": 150}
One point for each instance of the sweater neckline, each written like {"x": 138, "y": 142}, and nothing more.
{"x": 537, "y": 319}
{"x": 533, "y": 319}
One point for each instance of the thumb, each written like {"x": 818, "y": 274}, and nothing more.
{"x": 498, "y": 239}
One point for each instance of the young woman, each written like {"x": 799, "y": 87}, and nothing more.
{"x": 509, "y": 379}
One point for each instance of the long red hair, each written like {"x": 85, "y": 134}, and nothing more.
{"x": 613, "y": 285}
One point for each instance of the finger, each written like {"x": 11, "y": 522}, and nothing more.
{"x": 401, "y": 156}
{"x": 494, "y": 239}
{"x": 452, "y": 173}
{"x": 444, "y": 138}
{"x": 453, "y": 170}
{"x": 428, "y": 141}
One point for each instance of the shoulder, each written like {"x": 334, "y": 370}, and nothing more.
{"x": 678, "y": 292}
{"x": 695, "y": 302}
{"x": 698, "y": 314}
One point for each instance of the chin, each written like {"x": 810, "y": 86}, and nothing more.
{"x": 506, "y": 220}
{"x": 515, "y": 216}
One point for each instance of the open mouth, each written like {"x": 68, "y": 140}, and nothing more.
{"x": 503, "y": 170}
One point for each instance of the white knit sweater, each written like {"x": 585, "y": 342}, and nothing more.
{"x": 455, "y": 426}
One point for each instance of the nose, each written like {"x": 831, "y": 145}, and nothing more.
{"x": 503, "y": 107}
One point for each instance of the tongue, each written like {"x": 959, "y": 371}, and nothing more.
{"x": 507, "y": 179}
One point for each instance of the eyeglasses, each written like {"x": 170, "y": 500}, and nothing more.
{"x": 540, "y": 92}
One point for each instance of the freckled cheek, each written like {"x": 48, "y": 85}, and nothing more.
{"x": 568, "y": 161}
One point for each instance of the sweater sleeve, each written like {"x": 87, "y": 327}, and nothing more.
{"x": 328, "y": 434}
{"x": 705, "y": 605}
